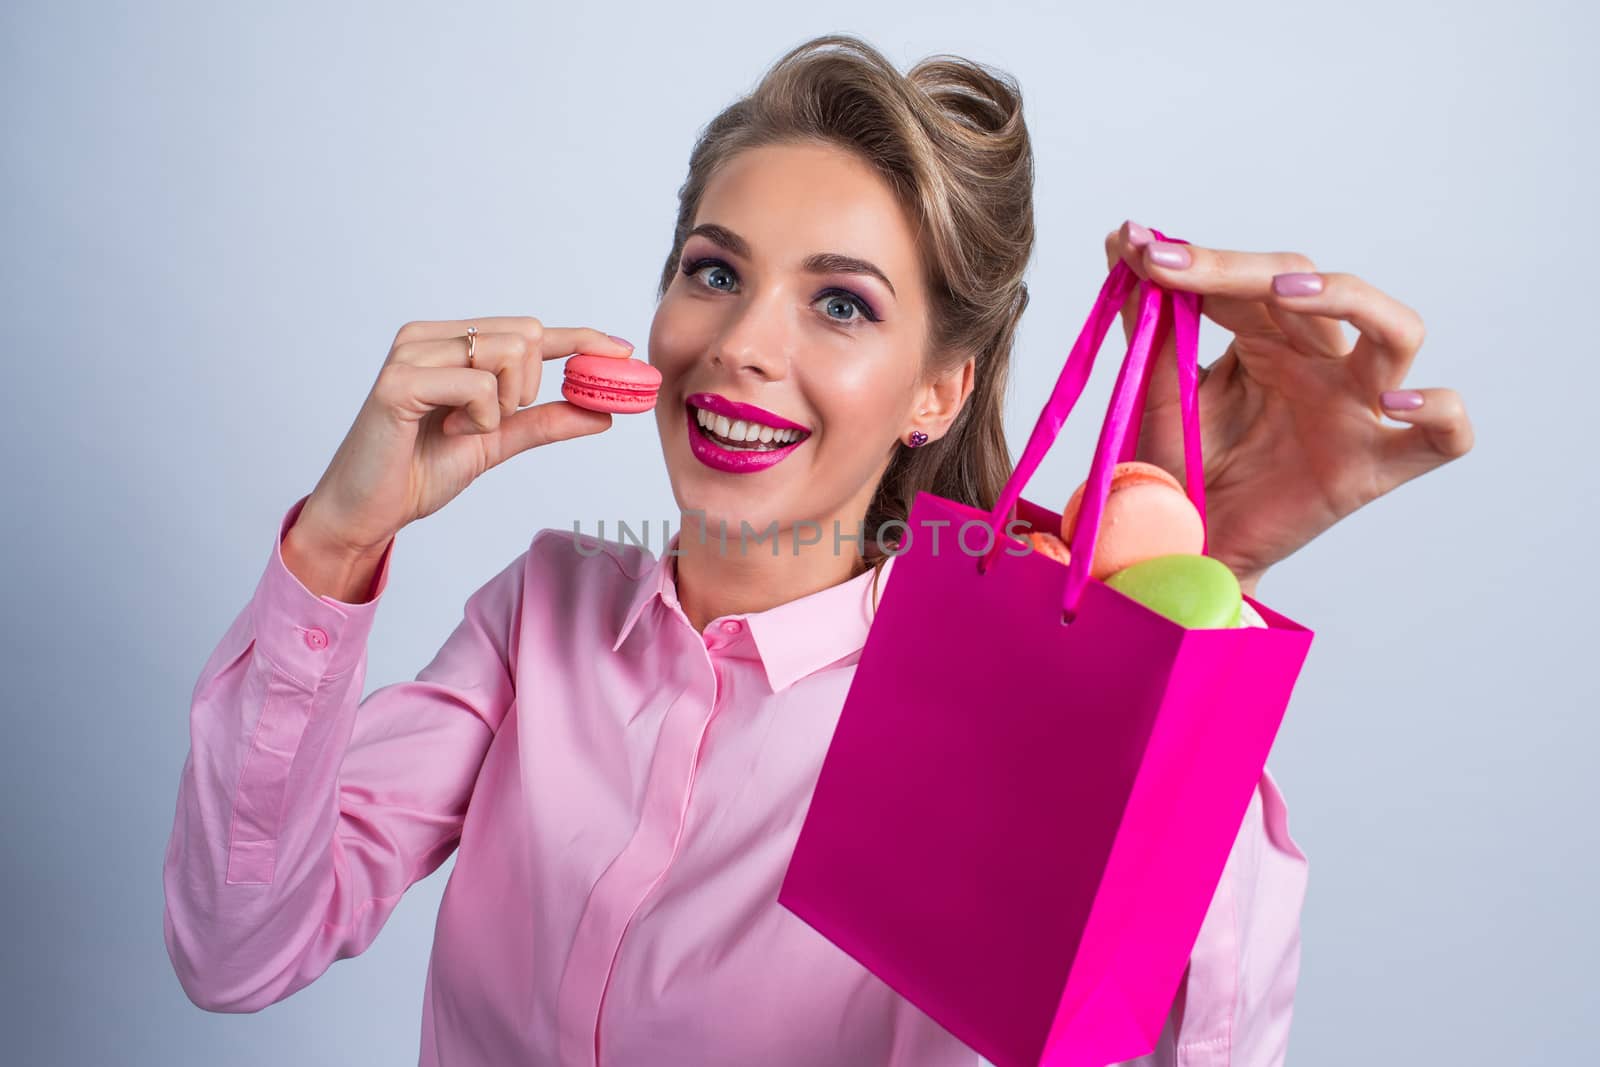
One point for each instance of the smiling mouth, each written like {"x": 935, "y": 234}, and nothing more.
{"x": 739, "y": 435}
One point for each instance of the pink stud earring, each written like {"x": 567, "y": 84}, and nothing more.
{"x": 918, "y": 438}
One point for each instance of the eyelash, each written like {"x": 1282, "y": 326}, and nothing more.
{"x": 695, "y": 267}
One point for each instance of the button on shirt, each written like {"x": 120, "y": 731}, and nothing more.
{"x": 622, "y": 794}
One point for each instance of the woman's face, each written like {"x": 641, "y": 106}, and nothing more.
{"x": 776, "y": 307}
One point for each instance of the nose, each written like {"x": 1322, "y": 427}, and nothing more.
{"x": 756, "y": 340}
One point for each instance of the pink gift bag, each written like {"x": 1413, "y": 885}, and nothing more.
{"x": 1035, "y": 782}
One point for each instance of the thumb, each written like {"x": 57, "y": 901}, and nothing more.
{"x": 542, "y": 424}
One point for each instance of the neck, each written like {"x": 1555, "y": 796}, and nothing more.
{"x": 716, "y": 577}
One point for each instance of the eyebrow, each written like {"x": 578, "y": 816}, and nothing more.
{"x": 816, "y": 263}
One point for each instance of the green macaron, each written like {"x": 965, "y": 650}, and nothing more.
{"x": 1196, "y": 592}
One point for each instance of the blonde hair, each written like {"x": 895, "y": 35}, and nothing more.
{"x": 950, "y": 139}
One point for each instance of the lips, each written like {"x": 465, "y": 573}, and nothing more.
{"x": 730, "y": 460}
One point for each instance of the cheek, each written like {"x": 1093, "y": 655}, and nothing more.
{"x": 675, "y": 340}
{"x": 866, "y": 397}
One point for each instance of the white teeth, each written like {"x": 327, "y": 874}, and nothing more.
{"x": 744, "y": 430}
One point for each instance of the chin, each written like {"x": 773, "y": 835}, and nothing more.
{"x": 721, "y": 506}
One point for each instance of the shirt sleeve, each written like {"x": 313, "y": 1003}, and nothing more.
{"x": 1238, "y": 993}
{"x": 305, "y": 813}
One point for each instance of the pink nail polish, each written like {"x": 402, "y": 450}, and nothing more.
{"x": 1166, "y": 254}
{"x": 1402, "y": 400}
{"x": 1297, "y": 284}
{"x": 619, "y": 340}
{"x": 1138, "y": 236}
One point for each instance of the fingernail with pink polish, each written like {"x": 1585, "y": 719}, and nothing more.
{"x": 620, "y": 341}
{"x": 1402, "y": 400}
{"x": 1297, "y": 284}
{"x": 1138, "y": 236}
{"x": 1169, "y": 255}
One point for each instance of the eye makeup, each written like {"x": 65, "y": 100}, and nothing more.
{"x": 691, "y": 267}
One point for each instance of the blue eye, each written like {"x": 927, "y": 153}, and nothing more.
{"x": 834, "y": 295}
{"x": 716, "y": 266}
{"x": 692, "y": 269}
{"x": 848, "y": 301}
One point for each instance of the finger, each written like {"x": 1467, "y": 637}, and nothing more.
{"x": 554, "y": 342}
{"x": 503, "y": 355}
{"x": 1438, "y": 431}
{"x": 1239, "y": 316}
{"x": 1125, "y": 242}
{"x": 1390, "y": 332}
{"x": 1216, "y": 272}
{"x": 1238, "y": 291}
{"x": 438, "y": 329}
{"x": 557, "y": 420}
{"x": 1316, "y": 334}
{"x": 490, "y": 351}
{"x": 548, "y": 342}
{"x": 559, "y": 342}
{"x": 416, "y": 390}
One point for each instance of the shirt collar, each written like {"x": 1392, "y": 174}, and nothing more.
{"x": 656, "y": 582}
{"x": 793, "y": 639}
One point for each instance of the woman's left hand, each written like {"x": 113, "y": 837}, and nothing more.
{"x": 1291, "y": 414}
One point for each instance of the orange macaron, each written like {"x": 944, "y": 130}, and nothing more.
{"x": 1147, "y": 514}
{"x": 1049, "y": 544}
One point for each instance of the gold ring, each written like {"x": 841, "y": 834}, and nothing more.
{"x": 472, "y": 343}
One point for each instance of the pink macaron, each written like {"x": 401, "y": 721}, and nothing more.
{"x": 623, "y": 386}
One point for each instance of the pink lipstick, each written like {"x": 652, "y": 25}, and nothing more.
{"x": 714, "y": 454}
{"x": 721, "y": 405}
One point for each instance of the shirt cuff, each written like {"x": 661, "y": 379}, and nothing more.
{"x": 311, "y": 638}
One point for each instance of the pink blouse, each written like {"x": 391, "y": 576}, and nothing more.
{"x": 622, "y": 794}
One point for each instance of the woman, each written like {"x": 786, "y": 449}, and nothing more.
{"x": 622, "y": 746}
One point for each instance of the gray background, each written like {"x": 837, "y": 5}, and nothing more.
{"x": 216, "y": 220}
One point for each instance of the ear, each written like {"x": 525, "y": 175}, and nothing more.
{"x": 943, "y": 399}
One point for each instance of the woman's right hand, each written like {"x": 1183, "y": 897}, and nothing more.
{"x": 431, "y": 424}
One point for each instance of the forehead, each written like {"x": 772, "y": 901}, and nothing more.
{"x": 789, "y": 201}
